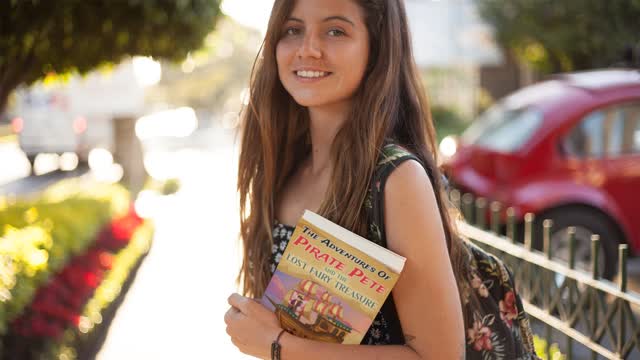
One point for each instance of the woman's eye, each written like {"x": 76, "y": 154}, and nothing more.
{"x": 292, "y": 31}
{"x": 336, "y": 32}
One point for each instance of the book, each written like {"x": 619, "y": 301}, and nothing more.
{"x": 330, "y": 282}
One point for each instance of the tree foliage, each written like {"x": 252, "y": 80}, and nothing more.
{"x": 41, "y": 36}
{"x": 556, "y": 36}
{"x": 220, "y": 70}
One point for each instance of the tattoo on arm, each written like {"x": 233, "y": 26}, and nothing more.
{"x": 408, "y": 338}
{"x": 463, "y": 351}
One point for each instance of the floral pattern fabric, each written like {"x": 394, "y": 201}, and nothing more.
{"x": 500, "y": 328}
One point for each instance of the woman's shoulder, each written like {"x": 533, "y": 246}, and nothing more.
{"x": 400, "y": 170}
{"x": 408, "y": 176}
{"x": 393, "y": 154}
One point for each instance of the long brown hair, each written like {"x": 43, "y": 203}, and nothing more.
{"x": 275, "y": 138}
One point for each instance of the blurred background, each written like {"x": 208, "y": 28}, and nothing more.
{"x": 132, "y": 106}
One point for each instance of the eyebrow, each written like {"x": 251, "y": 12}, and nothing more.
{"x": 329, "y": 18}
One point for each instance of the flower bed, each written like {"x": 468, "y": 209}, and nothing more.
{"x": 64, "y": 260}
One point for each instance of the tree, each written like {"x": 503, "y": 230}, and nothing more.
{"x": 38, "y": 37}
{"x": 555, "y": 36}
{"x": 219, "y": 71}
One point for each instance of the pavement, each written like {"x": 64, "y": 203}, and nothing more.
{"x": 175, "y": 307}
{"x": 14, "y": 163}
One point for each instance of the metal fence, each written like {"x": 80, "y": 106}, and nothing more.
{"x": 587, "y": 316}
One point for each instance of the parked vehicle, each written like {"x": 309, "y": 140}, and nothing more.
{"x": 77, "y": 116}
{"x": 47, "y": 124}
{"x": 566, "y": 149}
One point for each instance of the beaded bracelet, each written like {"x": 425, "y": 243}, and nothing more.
{"x": 275, "y": 347}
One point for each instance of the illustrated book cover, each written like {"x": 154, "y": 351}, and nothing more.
{"x": 330, "y": 282}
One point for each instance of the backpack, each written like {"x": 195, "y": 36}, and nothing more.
{"x": 499, "y": 327}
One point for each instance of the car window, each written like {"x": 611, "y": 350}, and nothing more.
{"x": 610, "y": 132}
{"x": 503, "y": 129}
{"x": 632, "y": 129}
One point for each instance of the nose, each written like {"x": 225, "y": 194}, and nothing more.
{"x": 310, "y": 46}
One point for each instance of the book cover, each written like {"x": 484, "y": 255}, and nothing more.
{"x": 330, "y": 282}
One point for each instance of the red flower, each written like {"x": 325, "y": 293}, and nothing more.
{"x": 508, "y": 310}
{"x": 38, "y": 325}
{"x": 106, "y": 260}
{"x": 123, "y": 228}
{"x": 480, "y": 337}
{"x": 91, "y": 279}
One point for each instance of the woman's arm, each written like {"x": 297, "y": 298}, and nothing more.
{"x": 253, "y": 328}
{"x": 425, "y": 295}
{"x": 294, "y": 347}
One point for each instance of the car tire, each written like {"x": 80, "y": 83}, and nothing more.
{"x": 32, "y": 162}
{"x": 83, "y": 162}
{"x": 585, "y": 221}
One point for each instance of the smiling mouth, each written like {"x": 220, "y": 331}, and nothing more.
{"x": 311, "y": 74}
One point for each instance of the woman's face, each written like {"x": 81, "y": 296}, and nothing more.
{"x": 323, "y": 51}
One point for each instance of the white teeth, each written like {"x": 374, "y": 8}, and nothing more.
{"x": 311, "y": 74}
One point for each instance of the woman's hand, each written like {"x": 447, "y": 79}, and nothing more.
{"x": 251, "y": 326}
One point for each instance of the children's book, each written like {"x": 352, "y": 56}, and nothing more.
{"x": 330, "y": 282}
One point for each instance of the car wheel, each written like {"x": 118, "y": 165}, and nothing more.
{"x": 83, "y": 162}
{"x": 586, "y": 222}
{"x": 32, "y": 161}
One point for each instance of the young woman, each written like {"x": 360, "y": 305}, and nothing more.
{"x": 335, "y": 81}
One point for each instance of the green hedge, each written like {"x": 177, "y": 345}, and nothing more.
{"x": 447, "y": 121}
{"x": 38, "y": 237}
{"x": 88, "y": 334}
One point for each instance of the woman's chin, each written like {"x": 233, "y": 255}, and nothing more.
{"x": 314, "y": 101}
{"x": 306, "y": 102}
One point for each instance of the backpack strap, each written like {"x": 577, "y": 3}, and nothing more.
{"x": 391, "y": 156}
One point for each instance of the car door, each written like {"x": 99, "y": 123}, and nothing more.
{"x": 584, "y": 148}
{"x": 604, "y": 152}
{"x": 622, "y": 154}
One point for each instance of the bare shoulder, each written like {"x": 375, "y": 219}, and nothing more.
{"x": 411, "y": 209}
{"x": 409, "y": 173}
{"x": 409, "y": 188}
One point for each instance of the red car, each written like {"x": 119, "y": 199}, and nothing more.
{"x": 566, "y": 149}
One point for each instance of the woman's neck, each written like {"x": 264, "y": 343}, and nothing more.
{"x": 325, "y": 122}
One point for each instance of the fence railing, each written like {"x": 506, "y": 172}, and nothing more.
{"x": 596, "y": 317}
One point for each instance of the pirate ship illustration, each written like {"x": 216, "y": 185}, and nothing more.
{"x": 310, "y": 312}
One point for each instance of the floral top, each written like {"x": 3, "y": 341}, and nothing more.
{"x": 500, "y": 327}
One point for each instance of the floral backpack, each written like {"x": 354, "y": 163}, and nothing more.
{"x": 500, "y": 327}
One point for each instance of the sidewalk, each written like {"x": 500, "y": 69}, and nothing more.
{"x": 14, "y": 164}
{"x": 175, "y": 307}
